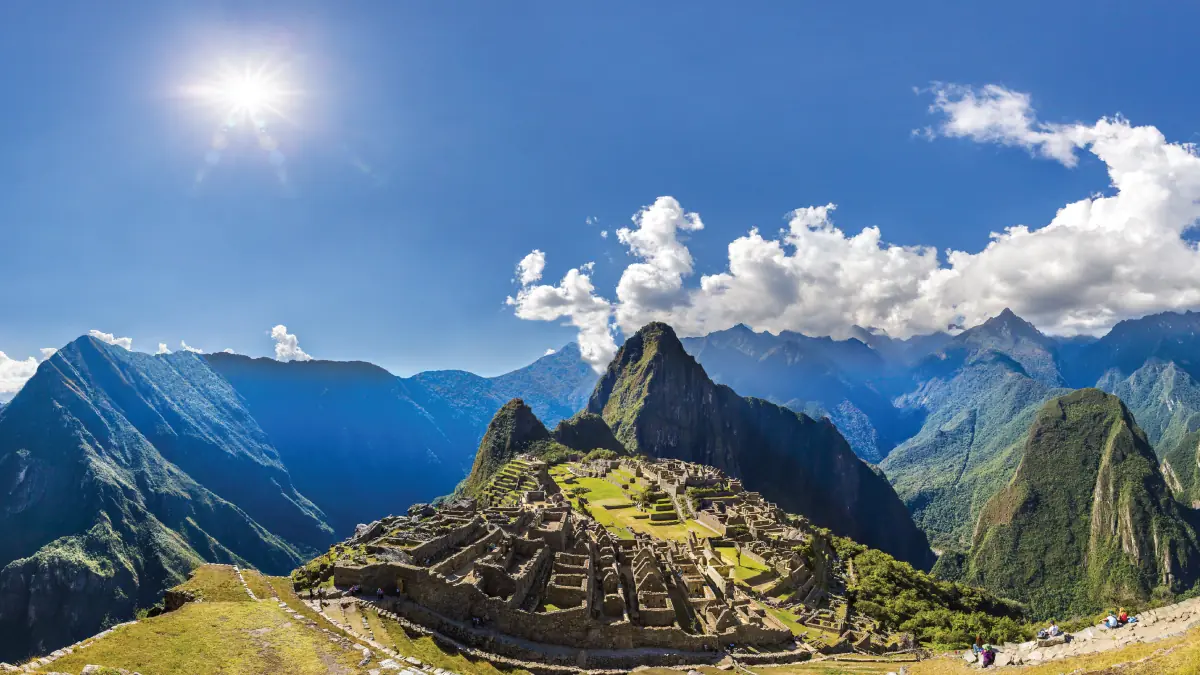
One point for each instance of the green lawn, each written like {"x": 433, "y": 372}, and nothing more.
{"x": 215, "y": 584}
{"x": 216, "y": 638}
{"x": 258, "y": 584}
{"x": 744, "y": 568}
{"x": 619, "y": 521}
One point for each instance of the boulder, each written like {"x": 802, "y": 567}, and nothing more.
{"x": 970, "y": 657}
{"x": 364, "y": 533}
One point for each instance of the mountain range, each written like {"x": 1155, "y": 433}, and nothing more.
{"x": 120, "y": 471}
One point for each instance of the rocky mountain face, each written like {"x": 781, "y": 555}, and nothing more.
{"x": 1087, "y": 519}
{"x": 659, "y": 401}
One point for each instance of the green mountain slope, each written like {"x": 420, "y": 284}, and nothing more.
{"x": 657, "y": 400}
{"x": 979, "y": 394}
{"x": 1087, "y": 519}
{"x": 97, "y": 514}
{"x": 1181, "y": 469}
{"x": 514, "y": 430}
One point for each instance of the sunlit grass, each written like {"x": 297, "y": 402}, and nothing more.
{"x": 215, "y": 638}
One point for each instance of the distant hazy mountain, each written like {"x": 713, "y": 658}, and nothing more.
{"x": 1087, "y": 520}
{"x": 817, "y": 376}
{"x": 555, "y": 387}
{"x": 659, "y": 401}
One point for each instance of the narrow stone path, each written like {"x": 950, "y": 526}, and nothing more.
{"x": 1152, "y": 625}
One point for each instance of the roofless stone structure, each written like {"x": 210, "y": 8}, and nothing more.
{"x": 527, "y": 570}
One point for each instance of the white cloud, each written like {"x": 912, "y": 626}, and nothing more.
{"x": 227, "y": 350}
{"x": 656, "y": 283}
{"x": 531, "y": 267}
{"x": 591, "y": 220}
{"x": 15, "y": 372}
{"x": 574, "y": 298}
{"x": 287, "y": 345}
{"x": 550, "y": 351}
{"x": 162, "y": 348}
{"x": 604, "y": 234}
{"x": 994, "y": 114}
{"x": 1098, "y": 260}
{"x": 111, "y": 339}
{"x": 187, "y": 348}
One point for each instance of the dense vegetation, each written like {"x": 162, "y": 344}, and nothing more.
{"x": 1087, "y": 520}
{"x": 939, "y": 613}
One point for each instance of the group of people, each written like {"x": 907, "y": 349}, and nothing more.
{"x": 1118, "y": 619}
{"x": 985, "y": 651}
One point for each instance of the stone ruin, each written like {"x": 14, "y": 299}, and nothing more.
{"x": 520, "y": 567}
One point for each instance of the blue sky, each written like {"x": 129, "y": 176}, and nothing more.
{"x": 436, "y": 144}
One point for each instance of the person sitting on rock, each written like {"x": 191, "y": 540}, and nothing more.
{"x": 1053, "y": 630}
{"x": 1123, "y": 617}
{"x": 978, "y": 646}
{"x": 1111, "y": 621}
{"x": 988, "y": 656}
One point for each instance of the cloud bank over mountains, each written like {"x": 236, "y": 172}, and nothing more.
{"x": 1099, "y": 260}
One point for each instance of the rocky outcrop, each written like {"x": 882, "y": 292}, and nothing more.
{"x": 1087, "y": 520}
{"x": 658, "y": 401}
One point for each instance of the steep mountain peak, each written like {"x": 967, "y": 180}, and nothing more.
{"x": 1009, "y": 324}
{"x": 514, "y": 430}
{"x": 659, "y": 401}
{"x": 1087, "y": 518}
{"x": 1013, "y": 337}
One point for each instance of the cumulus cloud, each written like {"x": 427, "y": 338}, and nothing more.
{"x": 162, "y": 348}
{"x": 287, "y": 345}
{"x": 227, "y": 350}
{"x": 574, "y": 299}
{"x": 111, "y": 339}
{"x": 188, "y": 348}
{"x": 531, "y": 267}
{"x": 1098, "y": 260}
{"x": 15, "y": 372}
{"x": 993, "y": 114}
{"x": 550, "y": 351}
{"x": 656, "y": 283}
{"x": 604, "y": 234}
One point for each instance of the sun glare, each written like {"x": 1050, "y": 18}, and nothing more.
{"x": 249, "y": 92}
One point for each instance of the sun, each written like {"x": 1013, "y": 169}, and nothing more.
{"x": 249, "y": 92}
